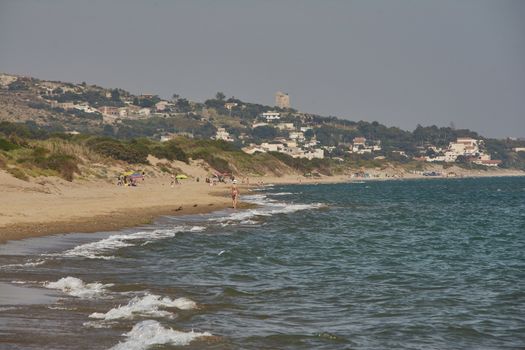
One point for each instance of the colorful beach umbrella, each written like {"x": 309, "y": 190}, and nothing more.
{"x": 181, "y": 177}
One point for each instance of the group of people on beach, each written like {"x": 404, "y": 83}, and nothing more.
{"x": 130, "y": 179}
{"x": 174, "y": 181}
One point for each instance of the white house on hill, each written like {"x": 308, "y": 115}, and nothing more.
{"x": 269, "y": 116}
{"x": 222, "y": 134}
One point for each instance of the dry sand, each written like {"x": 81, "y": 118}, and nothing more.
{"x": 52, "y": 205}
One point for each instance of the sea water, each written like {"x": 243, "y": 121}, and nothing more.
{"x": 419, "y": 264}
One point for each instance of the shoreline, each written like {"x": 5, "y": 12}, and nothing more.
{"x": 101, "y": 206}
{"x": 286, "y": 180}
{"x": 114, "y": 221}
{"x": 53, "y": 206}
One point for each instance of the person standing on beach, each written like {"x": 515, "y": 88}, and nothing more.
{"x": 235, "y": 195}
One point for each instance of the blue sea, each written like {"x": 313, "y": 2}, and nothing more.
{"x": 415, "y": 264}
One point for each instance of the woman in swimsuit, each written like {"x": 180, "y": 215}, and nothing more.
{"x": 235, "y": 196}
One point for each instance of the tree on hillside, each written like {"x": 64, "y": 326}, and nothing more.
{"x": 115, "y": 95}
{"x": 220, "y": 96}
{"x": 233, "y": 99}
{"x": 17, "y": 85}
{"x": 308, "y": 134}
{"x": 183, "y": 105}
{"x": 265, "y": 132}
{"x": 329, "y": 135}
{"x": 148, "y": 102}
{"x": 214, "y": 103}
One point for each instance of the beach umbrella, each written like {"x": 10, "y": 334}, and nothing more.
{"x": 181, "y": 177}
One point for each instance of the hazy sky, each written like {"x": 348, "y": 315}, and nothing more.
{"x": 400, "y": 62}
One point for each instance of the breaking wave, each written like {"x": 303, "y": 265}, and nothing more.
{"x": 76, "y": 287}
{"x": 266, "y": 207}
{"x": 149, "y": 332}
{"x": 27, "y": 264}
{"x": 148, "y": 305}
{"x": 98, "y": 249}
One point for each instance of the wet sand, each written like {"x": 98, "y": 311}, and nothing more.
{"x": 15, "y": 295}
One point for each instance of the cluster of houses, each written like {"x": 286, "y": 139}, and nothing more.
{"x": 288, "y": 147}
{"x": 111, "y": 114}
{"x": 295, "y": 144}
{"x": 468, "y": 148}
{"x": 360, "y": 145}
{"x": 224, "y": 135}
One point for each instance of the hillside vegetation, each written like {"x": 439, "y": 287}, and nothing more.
{"x": 26, "y": 153}
{"x": 49, "y": 109}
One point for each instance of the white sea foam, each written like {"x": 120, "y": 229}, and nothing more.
{"x": 7, "y": 308}
{"x": 148, "y": 305}
{"x": 249, "y": 222}
{"x": 76, "y": 287}
{"x": 25, "y": 282}
{"x": 27, "y": 264}
{"x": 281, "y": 194}
{"x": 96, "y": 324}
{"x": 267, "y": 207}
{"x": 258, "y": 199}
{"x": 149, "y": 332}
{"x": 99, "y": 249}
{"x": 60, "y": 308}
{"x": 290, "y": 208}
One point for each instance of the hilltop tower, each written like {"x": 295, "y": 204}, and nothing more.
{"x": 282, "y": 100}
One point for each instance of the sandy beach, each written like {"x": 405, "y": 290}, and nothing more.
{"x": 51, "y": 205}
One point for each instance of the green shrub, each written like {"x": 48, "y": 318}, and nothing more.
{"x": 65, "y": 165}
{"x": 6, "y": 145}
{"x": 215, "y": 162}
{"x": 128, "y": 152}
{"x": 8, "y": 129}
{"x": 219, "y": 164}
{"x": 304, "y": 165}
{"x": 39, "y": 153}
{"x": 218, "y": 144}
{"x": 165, "y": 169}
{"x": 17, "y": 85}
{"x": 18, "y": 173}
{"x": 170, "y": 151}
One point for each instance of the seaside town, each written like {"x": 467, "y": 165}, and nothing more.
{"x": 250, "y": 127}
